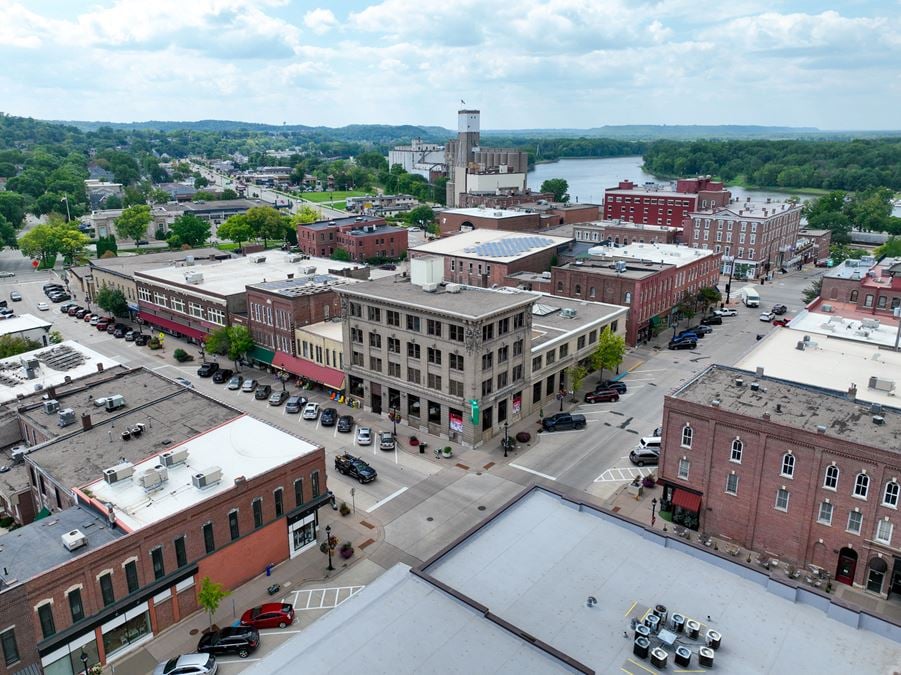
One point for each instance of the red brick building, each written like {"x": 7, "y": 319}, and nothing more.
{"x": 813, "y": 245}
{"x": 872, "y": 287}
{"x": 660, "y": 205}
{"x": 649, "y": 279}
{"x": 454, "y": 220}
{"x": 363, "y": 237}
{"x": 797, "y": 473}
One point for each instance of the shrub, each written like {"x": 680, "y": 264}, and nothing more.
{"x": 523, "y": 437}
{"x": 345, "y": 509}
{"x": 181, "y": 356}
{"x": 346, "y": 550}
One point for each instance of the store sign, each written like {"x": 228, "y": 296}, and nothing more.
{"x": 517, "y": 404}
{"x": 455, "y": 422}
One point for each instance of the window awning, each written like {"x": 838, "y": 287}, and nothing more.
{"x": 172, "y": 325}
{"x": 323, "y": 374}
{"x": 687, "y": 500}
{"x": 261, "y": 354}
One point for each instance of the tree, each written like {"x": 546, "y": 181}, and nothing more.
{"x": 112, "y": 300}
{"x": 266, "y": 223}
{"x": 236, "y": 229}
{"x": 891, "y": 248}
{"x": 50, "y": 239}
{"x": 575, "y": 375}
{"x": 421, "y": 215}
{"x": 11, "y": 345}
{"x": 204, "y": 196}
{"x": 158, "y": 196}
{"x": 107, "y": 245}
{"x": 12, "y": 207}
{"x": 228, "y": 194}
{"x": 708, "y": 296}
{"x": 558, "y": 186}
{"x": 189, "y": 229}
{"x": 341, "y": 254}
{"x": 217, "y": 341}
{"x": 133, "y": 222}
{"x": 610, "y": 351}
{"x": 7, "y": 234}
{"x": 112, "y": 202}
{"x": 235, "y": 341}
{"x": 687, "y": 307}
{"x": 812, "y": 292}
{"x": 306, "y": 214}
{"x": 210, "y": 596}
{"x": 200, "y": 182}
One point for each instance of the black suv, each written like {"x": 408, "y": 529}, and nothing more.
{"x": 346, "y": 424}
{"x": 712, "y": 320}
{"x": 207, "y": 369}
{"x": 240, "y": 640}
{"x": 328, "y": 417}
{"x": 779, "y": 310}
{"x": 617, "y": 386}
{"x": 222, "y": 375}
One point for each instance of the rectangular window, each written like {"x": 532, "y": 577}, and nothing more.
{"x": 393, "y": 369}
{"x": 233, "y": 530}
{"x": 160, "y": 299}
{"x": 393, "y": 345}
{"x": 536, "y": 363}
{"x": 517, "y": 373}
{"x": 517, "y": 347}
{"x": 434, "y": 356}
{"x": 501, "y": 380}
{"x": 209, "y": 539}
{"x": 487, "y": 332}
{"x": 413, "y": 375}
{"x": 487, "y": 387}
{"x": 357, "y": 358}
{"x": 195, "y": 310}
{"x": 257, "y": 505}
{"x": 45, "y": 614}
{"x": 519, "y": 320}
{"x": 356, "y": 309}
{"x": 159, "y": 567}
{"x": 279, "y": 496}
{"x": 106, "y": 590}
{"x": 581, "y": 343}
{"x": 684, "y": 466}
{"x": 181, "y": 553}
{"x": 824, "y": 517}
{"x": 456, "y": 332}
{"x": 356, "y": 335}
{"x": 375, "y": 340}
{"x": 392, "y": 318}
{"x": 75, "y": 605}
{"x": 732, "y": 484}
{"x": 298, "y": 492}
{"x": 884, "y": 531}
{"x": 131, "y": 576}
{"x": 413, "y": 323}
{"x": 414, "y": 351}
{"x": 314, "y": 478}
{"x": 456, "y": 362}
{"x": 564, "y": 351}
{"x": 503, "y": 354}
{"x": 434, "y": 382}
{"x": 551, "y": 357}
{"x": 375, "y": 364}
{"x": 503, "y": 326}
{"x": 178, "y": 305}
{"x": 855, "y": 522}
{"x": 781, "y": 499}
{"x": 487, "y": 361}
{"x": 455, "y": 388}
{"x": 10, "y": 648}
{"x": 216, "y": 316}
{"x": 433, "y": 327}
{"x": 374, "y": 313}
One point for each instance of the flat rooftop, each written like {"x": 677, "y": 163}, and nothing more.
{"x": 126, "y": 264}
{"x": 865, "y": 329}
{"x": 55, "y": 364}
{"x": 230, "y": 277}
{"x": 494, "y": 245}
{"x": 332, "y": 330}
{"x": 549, "y": 325}
{"x": 22, "y": 322}
{"x": 470, "y": 302}
{"x": 633, "y": 270}
{"x": 343, "y": 222}
{"x": 800, "y": 406}
{"x": 852, "y": 269}
{"x": 223, "y": 205}
{"x": 750, "y": 209}
{"x": 33, "y": 549}
{"x": 243, "y": 447}
{"x": 478, "y": 212}
{"x": 627, "y": 225}
{"x": 656, "y": 253}
{"x": 308, "y": 284}
{"x": 520, "y": 581}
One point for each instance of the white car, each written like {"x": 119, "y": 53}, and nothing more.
{"x": 364, "y": 436}
{"x": 725, "y": 312}
{"x": 415, "y": 229}
{"x": 188, "y": 664}
{"x": 4, "y": 274}
{"x": 43, "y": 306}
{"x": 767, "y": 316}
{"x": 311, "y": 411}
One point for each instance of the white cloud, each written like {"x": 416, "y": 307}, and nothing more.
{"x": 320, "y": 20}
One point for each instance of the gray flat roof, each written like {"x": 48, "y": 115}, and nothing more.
{"x": 340, "y": 222}
{"x": 549, "y": 324}
{"x": 151, "y": 261}
{"x": 223, "y": 205}
{"x": 534, "y": 565}
{"x": 634, "y": 269}
{"x": 802, "y": 406}
{"x": 305, "y": 285}
{"x": 29, "y": 551}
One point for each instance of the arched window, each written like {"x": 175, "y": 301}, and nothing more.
{"x": 686, "y": 436}
{"x": 788, "y": 465}
{"x": 861, "y": 485}
{"x": 853, "y": 297}
{"x": 831, "y": 481}
{"x": 890, "y": 495}
{"x": 628, "y": 298}
{"x": 737, "y": 447}
{"x": 591, "y": 292}
{"x": 578, "y": 289}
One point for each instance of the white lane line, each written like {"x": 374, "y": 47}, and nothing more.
{"x": 537, "y": 473}
{"x": 237, "y": 660}
{"x": 650, "y": 370}
{"x": 386, "y": 500}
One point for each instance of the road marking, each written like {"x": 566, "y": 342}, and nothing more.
{"x": 623, "y": 474}
{"x": 218, "y": 660}
{"x": 650, "y": 370}
{"x": 537, "y": 473}
{"x": 323, "y": 598}
{"x": 629, "y": 611}
{"x": 635, "y": 663}
{"x": 386, "y": 500}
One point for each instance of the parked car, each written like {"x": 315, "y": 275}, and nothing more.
{"x": 118, "y": 333}
{"x": 682, "y": 344}
{"x": 235, "y": 382}
{"x": 822, "y": 262}
{"x": 345, "y": 424}
{"x": 618, "y": 386}
{"x": 240, "y": 640}
{"x": 602, "y": 396}
{"x": 59, "y": 297}
{"x": 386, "y": 441}
{"x": 94, "y": 320}
{"x": 277, "y": 398}
{"x": 249, "y": 385}
{"x": 645, "y": 455}
{"x": 5, "y": 274}
{"x": 88, "y": 316}
{"x": 781, "y": 322}
{"x": 713, "y": 320}
{"x": 767, "y": 316}
{"x": 102, "y": 326}
{"x": 142, "y": 339}
{"x": 130, "y": 336}
{"x": 687, "y": 335}
{"x": 110, "y": 326}
{"x": 185, "y": 382}
{"x": 311, "y": 411}
{"x": 700, "y": 329}
{"x": 364, "y": 436}
{"x": 15, "y": 296}
{"x": 329, "y": 417}
{"x": 207, "y": 369}
{"x": 388, "y": 266}
{"x": 269, "y": 615}
{"x": 78, "y": 312}
{"x": 262, "y": 392}
{"x": 348, "y": 465}
{"x": 65, "y": 307}
{"x": 222, "y": 375}
{"x": 6, "y": 313}
{"x": 43, "y": 306}
{"x": 295, "y": 404}
{"x": 563, "y": 422}
{"x": 779, "y": 310}
{"x": 188, "y": 664}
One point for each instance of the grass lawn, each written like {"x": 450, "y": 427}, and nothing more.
{"x": 341, "y": 206}
{"x": 330, "y": 196}
{"x": 227, "y": 246}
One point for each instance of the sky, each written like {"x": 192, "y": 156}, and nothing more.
{"x": 523, "y": 63}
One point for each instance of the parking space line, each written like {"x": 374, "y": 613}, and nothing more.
{"x": 537, "y": 473}
{"x": 387, "y": 499}
{"x": 622, "y": 474}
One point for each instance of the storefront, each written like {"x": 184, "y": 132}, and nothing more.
{"x": 260, "y": 356}
{"x": 684, "y": 506}
{"x": 303, "y": 524}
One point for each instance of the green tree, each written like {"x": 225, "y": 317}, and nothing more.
{"x": 421, "y": 215}
{"x": 217, "y": 341}
{"x": 558, "y": 186}
{"x": 266, "y": 223}
{"x": 812, "y": 292}
{"x": 107, "y": 244}
{"x": 890, "y": 249}
{"x": 210, "y": 596}
{"x": 341, "y": 254}
{"x": 11, "y": 345}
{"x": 841, "y": 252}
{"x": 158, "y": 196}
{"x": 200, "y": 182}
{"x": 204, "y": 196}
{"x": 306, "y": 214}
{"x": 708, "y": 296}
{"x": 133, "y": 222}
{"x": 7, "y": 234}
{"x": 189, "y": 229}
{"x": 228, "y": 194}
{"x": 112, "y": 202}
{"x": 610, "y": 351}
{"x": 575, "y": 375}
{"x": 12, "y": 207}
{"x": 234, "y": 341}
{"x": 50, "y": 239}
{"x": 112, "y": 300}
{"x": 236, "y": 229}
{"x": 687, "y": 306}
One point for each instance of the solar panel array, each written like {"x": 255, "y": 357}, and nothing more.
{"x": 509, "y": 247}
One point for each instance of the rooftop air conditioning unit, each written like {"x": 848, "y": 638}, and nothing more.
{"x": 51, "y": 406}
{"x": 258, "y": 259}
{"x": 149, "y": 479}
{"x": 295, "y": 258}
{"x": 74, "y": 539}
{"x": 174, "y": 457}
{"x": 453, "y": 288}
{"x": 66, "y": 417}
{"x": 881, "y": 384}
{"x": 827, "y": 308}
{"x": 207, "y": 477}
{"x": 309, "y": 269}
{"x": 18, "y": 454}
{"x": 870, "y": 323}
{"x": 430, "y": 288}
{"x": 568, "y": 313}
{"x": 545, "y": 275}
{"x": 119, "y": 472}
{"x": 194, "y": 278}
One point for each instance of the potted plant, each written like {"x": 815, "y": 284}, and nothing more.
{"x": 447, "y": 451}
{"x": 648, "y": 482}
{"x": 414, "y": 441}
{"x": 523, "y": 437}
{"x": 345, "y": 509}
{"x": 346, "y": 550}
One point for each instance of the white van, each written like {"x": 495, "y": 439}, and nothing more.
{"x": 750, "y": 296}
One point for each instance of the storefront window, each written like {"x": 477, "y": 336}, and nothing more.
{"x": 304, "y": 535}
{"x": 70, "y": 664}
{"x": 127, "y": 633}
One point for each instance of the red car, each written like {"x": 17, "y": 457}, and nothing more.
{"x": 102, "y": 326}
{"x": 270, "y": 615}
{"x": 601, "y": 396}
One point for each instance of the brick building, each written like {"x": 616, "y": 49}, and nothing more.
{"x": 625, "y": 233}
{"x": 666, "y": 205}
{"x": 650, "y": 279}
{"x": 813, "y": 245}
{"x": 871, "y": 287}
{"x": 454, "y": 220}
{"x": 503, "y": 199}
{"x": 486, "y": 257}
{"x": 754, "y": 237}
{"x": 363, "y": 237}
{"x": 802, "y": 474}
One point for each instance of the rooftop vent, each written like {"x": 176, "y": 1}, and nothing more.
{"x": 821, "y": 428}
{"x": 258, "y": 259}
{"x": 207, "y": 477}
{"x": 453, "y": 288}
{"x": 174, "y": 457}
{"x": 739, "y": 382}
{"x": 51, "y": 406}
{"x": 568, "y": 313}
{"x": 881, "y": 384}
{"x": 66, "y": 417}
{"x": 755, "y": 386}
{"x": 119, "y": 472}
{"x": 430, "y": 288}
{"x": 74, "y": 539}
{"x": 715, "y": 403}
{"x": 194, "y": 277}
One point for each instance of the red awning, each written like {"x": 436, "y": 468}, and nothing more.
{"x": 323, "y": 374}
{"x": 687, "y": 500}
{"x": 172, "y": 325}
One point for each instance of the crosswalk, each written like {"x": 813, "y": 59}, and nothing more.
{"x": 322, "y": 598}
{"x": 623, "y": 474}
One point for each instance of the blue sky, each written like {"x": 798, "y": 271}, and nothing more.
{"x": 525, "y": 64}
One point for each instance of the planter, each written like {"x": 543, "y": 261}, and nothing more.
{"x": 447, "y": 452}
{"x": 523, "y": 437}
{"x": 346, "y": 550}
{"x": 414, "y": 441}
{"x": 635, "y": 490}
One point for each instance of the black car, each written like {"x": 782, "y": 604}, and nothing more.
{"x": 207, "y": 369}
{"x": 346, "y": 424}
{"x": 261, "y": 393}
{"x": 683, "y": 344}
{"x": 701, "y": 329}
{"x": 222, "y": 375}
{"x": 617, "y": 386}
{"x": 779, "y": 310}
{"x": 240, "y": 640}
{"x": 328, "y": 417}
{"x": 142, "y": 339}
{"x": 563, "y": 422}
{"x": 712, "y": 320}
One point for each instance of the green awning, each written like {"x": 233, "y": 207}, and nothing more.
{"x": 43, "y": 513}
{"x": 261, "y": 354}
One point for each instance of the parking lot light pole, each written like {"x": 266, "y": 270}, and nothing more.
{"x": 653, "y": 511}
{"x": 328, "y": 544}
{"x": 506, "y": 439}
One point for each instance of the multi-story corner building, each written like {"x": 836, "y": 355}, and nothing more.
{"x": 363, "y": 237}
{"x": 320, "y": 353}
{"x": 461, "y": 361}
{"x": 753, "y": 237}
{"x": 813, "y": 245}
{"x": 800, "y": 474}
{"x": 665, "y": 205}
{"x": 621, "y": 232}
{"x": 868, "y": 286}
{"x": 650, "y": 279}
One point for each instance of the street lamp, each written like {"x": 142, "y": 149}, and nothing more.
{"x": 506, "y": 439}
{"x": 84, "y": 661}
{"x": 66, "y": 199}
{"x": 653, "y": 511}
{"x": 328, "y": 543}
{"x": 394, "y": 419}
{"x": 729, "y": 283}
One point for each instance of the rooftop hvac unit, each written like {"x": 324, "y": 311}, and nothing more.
{"x": 309, "y": 269}
{"x": 453, "y": 288}
{"x": 568, "y": 313}
{"x": 152, "y": 478}
{"x": 430, "y": 288}
{"x": 74, "y": 539}
{"x": 51, "y": 406}
{"x": 207, "y": 477}
{"x": 881, "y": 384}
{"x": 119, "y": 472}
{"x": 18, "y": 455}
{"x": 66, "y": 417}
{"x": 545, "y": 275}
{"x": 189, "y": 260}
{"x": 258, "y": 259}
{"x": 295, "y": 258}
{"x": 870, "y": 323}
{"x": 194, "y": 278}
{"x": 174, "y": 457}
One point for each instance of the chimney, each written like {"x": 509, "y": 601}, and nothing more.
{"x": 86, "y": 423}
{"x": 51, "y": 392}
{"x": 99, "y": 367}
{"x": 852, "y": 392}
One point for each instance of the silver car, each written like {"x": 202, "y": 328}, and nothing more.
{"x": 364, "y": 436}
{"x": 249, "y": 385}
{"x": 188, "y": 664}
{"x": 386, "y": 441}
